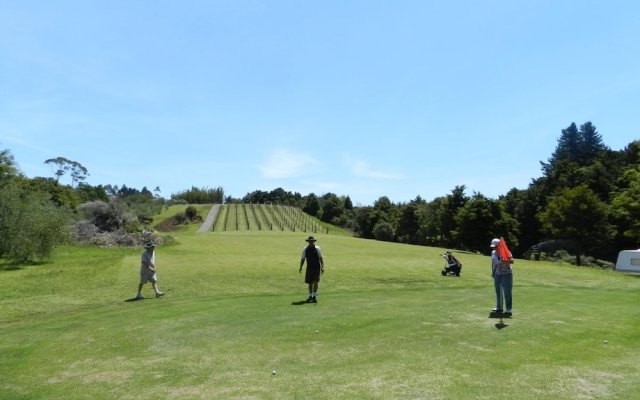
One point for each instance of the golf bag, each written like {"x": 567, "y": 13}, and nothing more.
{"x": 452, "y": 266}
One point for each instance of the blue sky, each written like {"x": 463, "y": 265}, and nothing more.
{"x": 360, "y": 98}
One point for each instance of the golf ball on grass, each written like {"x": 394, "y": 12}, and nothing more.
{"x": 273, "y": 372}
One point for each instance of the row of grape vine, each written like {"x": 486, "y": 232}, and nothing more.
{"x": 270, "y": 217}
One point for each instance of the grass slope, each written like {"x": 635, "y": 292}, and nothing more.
{"x": 387, "y": 325}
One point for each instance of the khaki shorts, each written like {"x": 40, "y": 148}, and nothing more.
{"x": 148, "y": 276}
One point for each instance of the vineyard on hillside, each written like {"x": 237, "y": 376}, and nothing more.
{"x": 269, "y": 217}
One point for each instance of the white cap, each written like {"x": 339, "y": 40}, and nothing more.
{"x": 495, "y": 242}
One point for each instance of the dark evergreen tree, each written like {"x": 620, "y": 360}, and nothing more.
{"x": 578, "y": 215}
{"x": 312, "y": 205}
{"x": 383, "y": 204}
{"x": 523, "y": 206}
{"x": 331, "y": 208}
{"x": 430, "y": 222}
{"x": 482, "y": 219}
{"x": 590, "y": 144}
{"x": 409, "y": 224}
{"x": 348, "y": 205}
{"x": 449, "y": 208}
{"x": 367, "y": 218}
{"x": 568, "y": 150}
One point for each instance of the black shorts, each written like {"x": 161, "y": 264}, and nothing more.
{"x": 312, "y": 275}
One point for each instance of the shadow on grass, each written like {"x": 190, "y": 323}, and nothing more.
{"x": 166, "y": 291}
{"x": 300, "y": 303}
{"x": 133, "y": 299}
{"x": 6, "y": 265}
{"x": 501, "y": 324}
{"x": 403, "y": 281}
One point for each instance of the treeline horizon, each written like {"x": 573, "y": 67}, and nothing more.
{"x": 585, "y": 202}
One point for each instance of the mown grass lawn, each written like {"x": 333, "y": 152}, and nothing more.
{"x": 387, "y": 325}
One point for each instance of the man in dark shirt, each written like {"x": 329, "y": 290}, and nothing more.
{"x": 315, "y": 267}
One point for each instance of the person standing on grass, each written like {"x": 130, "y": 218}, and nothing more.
{"x": 148, "y": 270}
{"x": 315, "y": 267}
{"x": 501, "y": 260}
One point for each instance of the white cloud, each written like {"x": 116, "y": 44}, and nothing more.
{"x": 362, "y": 169}
{"x": 321, "y": 187}
{"x": 283, "y": 163}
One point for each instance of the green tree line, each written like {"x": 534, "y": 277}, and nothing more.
{"x": 586, "y": 201}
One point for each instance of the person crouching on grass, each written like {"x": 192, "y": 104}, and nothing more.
{"x": 148, "y": 270}
{"x": 315, "y": 267}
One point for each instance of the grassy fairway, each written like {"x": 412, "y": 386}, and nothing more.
{"x": 387, "y": 325}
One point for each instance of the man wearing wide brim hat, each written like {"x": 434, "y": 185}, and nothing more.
{"x": 315, "y": 267}
{"x": 148, "y": 270}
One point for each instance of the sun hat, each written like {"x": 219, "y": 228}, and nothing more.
{"x": 495, "y": 243}
{"x": 149, "y": 244}
{"x": 310, "y": 239}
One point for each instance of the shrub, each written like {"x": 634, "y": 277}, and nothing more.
{"x": 107, "y": 216}
{"x": 191, "y": 213}
{"x": 180, "y": 218}
{"x": 30, "y": 225}
{"x": 87, "y": 233}
{"x": 383, "y": 231}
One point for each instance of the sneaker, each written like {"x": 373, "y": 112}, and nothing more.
{"x": 314, "y": 300}
{"x": 310, "y": 299}
{"x": 139, "y": 297}
{"x": 507, "y": 314}
{"x": 159, "y": 294}
{"x": 496, "y": 310}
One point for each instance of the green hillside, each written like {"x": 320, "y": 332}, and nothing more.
{"x": 387, "y": 325}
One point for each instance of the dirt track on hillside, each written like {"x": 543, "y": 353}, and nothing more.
{"x": 207, "y": 225}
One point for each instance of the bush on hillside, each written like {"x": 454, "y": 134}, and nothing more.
{"x": 383, "y": 231}
{"x": 84, "y": 232}
{"x": 191, "y": 213}
{"x": 30, "y": 224}
{"x": 107, "y": 217}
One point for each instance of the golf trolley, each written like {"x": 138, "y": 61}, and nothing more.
{"x": 452, "y": 266}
